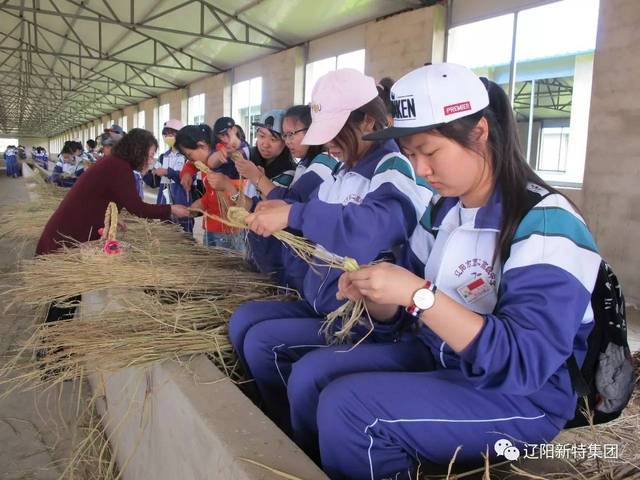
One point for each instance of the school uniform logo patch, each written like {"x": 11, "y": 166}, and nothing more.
{"x": 457, "y": 108}
{"x": 475, "y": 290}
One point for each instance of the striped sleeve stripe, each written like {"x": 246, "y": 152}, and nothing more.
{"x": 284, "y": 179}
{"x": 329, "y": 162}
{"x": 425, "y": 220}
{"x": 423, "y": 183}
{"x": 396, "y": 163}
{"x": 555, "y": 222}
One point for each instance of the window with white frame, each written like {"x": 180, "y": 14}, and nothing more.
{"x": 141, "y": 119}
{"x": 246, "y": 101}
{"x": 317, "y": 69}
{"x": 551, "y": 89}
{"x": 124, "y": 124}
{"x": 195, "y": 109}
{"x": 163, "y": 116}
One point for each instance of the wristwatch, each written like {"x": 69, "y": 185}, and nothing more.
{"x": 423, "y": 299}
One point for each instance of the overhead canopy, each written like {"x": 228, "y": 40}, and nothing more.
{"x": 66, "y": 62}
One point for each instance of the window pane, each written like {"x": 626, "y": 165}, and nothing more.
{"x": 196, "y": 109}
{"x": 554, "y": 143}
{"x": 569, "y": 28}
{"x": 124, "y": 125}
{"x": 255, "y": 91}
{"x": 486, "y": 43}
{"x": 552, "y": 97}
{"x": 246, "y": 104}
{"x": 353, "y": 60}
{"x": 141, "y": 119}
{"x": 163, "y": 116}
{"x": 314, "y": 71}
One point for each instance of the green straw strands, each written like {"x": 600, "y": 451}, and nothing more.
{"x": 141, "y": 330}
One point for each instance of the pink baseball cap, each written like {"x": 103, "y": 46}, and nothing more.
{"x": 173, "y": 124}
{"x": 335, "y": 95}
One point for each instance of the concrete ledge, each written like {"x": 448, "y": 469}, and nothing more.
{"x": 185, "y": 421}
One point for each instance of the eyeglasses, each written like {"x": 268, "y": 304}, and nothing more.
{"x": 289, "y": 135}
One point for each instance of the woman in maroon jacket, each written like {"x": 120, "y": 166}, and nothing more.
{"x": 81, "y": 213}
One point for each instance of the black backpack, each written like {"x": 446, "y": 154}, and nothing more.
{"x": 606, "y": 380}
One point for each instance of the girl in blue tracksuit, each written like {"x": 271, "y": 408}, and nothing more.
{"x": 168, "y": 167}
{"x": 370, "y": 208}
{"x": 498, "y": 297}
{"x": 41, "y": 157}
{"x": 69, "y": 165}
{"x": 313, "y": 168}
{"x": 11, "y": 161}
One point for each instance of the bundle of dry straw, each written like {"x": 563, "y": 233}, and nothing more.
{"x": 146, "y": 263}
{"x": 141, "y": 330}
{"x": 26, "y": 222}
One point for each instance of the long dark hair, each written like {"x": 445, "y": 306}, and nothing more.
{"x": 302, "y": 113}
{"x": 134, "y": 147}
{"x": 347, "y": 138}
{"x": 511, "y": 173}
{"x": 189, "y": 136}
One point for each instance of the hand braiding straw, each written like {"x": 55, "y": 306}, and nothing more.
{"x": 350, "y": 312}
{"x": 223, "y": 205}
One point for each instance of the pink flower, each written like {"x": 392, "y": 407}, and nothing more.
{"x": 112, "y": 247}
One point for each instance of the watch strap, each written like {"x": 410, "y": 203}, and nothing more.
{"x": 413, "y": 309}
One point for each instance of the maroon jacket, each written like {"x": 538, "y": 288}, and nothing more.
{"x": 81, "y": 213}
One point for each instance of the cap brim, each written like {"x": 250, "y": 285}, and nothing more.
{"x": 324, "y": 129}
{"x": 262, "y": 125}
{"x": 398, "y": 132}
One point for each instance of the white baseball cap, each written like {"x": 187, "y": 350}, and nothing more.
{"x": 432, "y": 96}
{"x": 335, "y": 95}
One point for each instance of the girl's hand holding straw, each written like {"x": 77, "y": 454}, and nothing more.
{"x": 382, "y": 283}
{"x": 268, "y": 221}
{"x": 220, "y": 182}
{"x": 248, "y": 169}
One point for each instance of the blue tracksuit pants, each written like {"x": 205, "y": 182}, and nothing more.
{"x": 379, "y": 424}
{"x": 248, "y": 332}
{"x": 375, "y": 410}
{"x": 12, "y": 166}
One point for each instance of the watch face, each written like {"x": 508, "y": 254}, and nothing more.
{"x": 424, "y": 299}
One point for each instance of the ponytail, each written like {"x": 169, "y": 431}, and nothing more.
{"x": 384, "y": 92}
